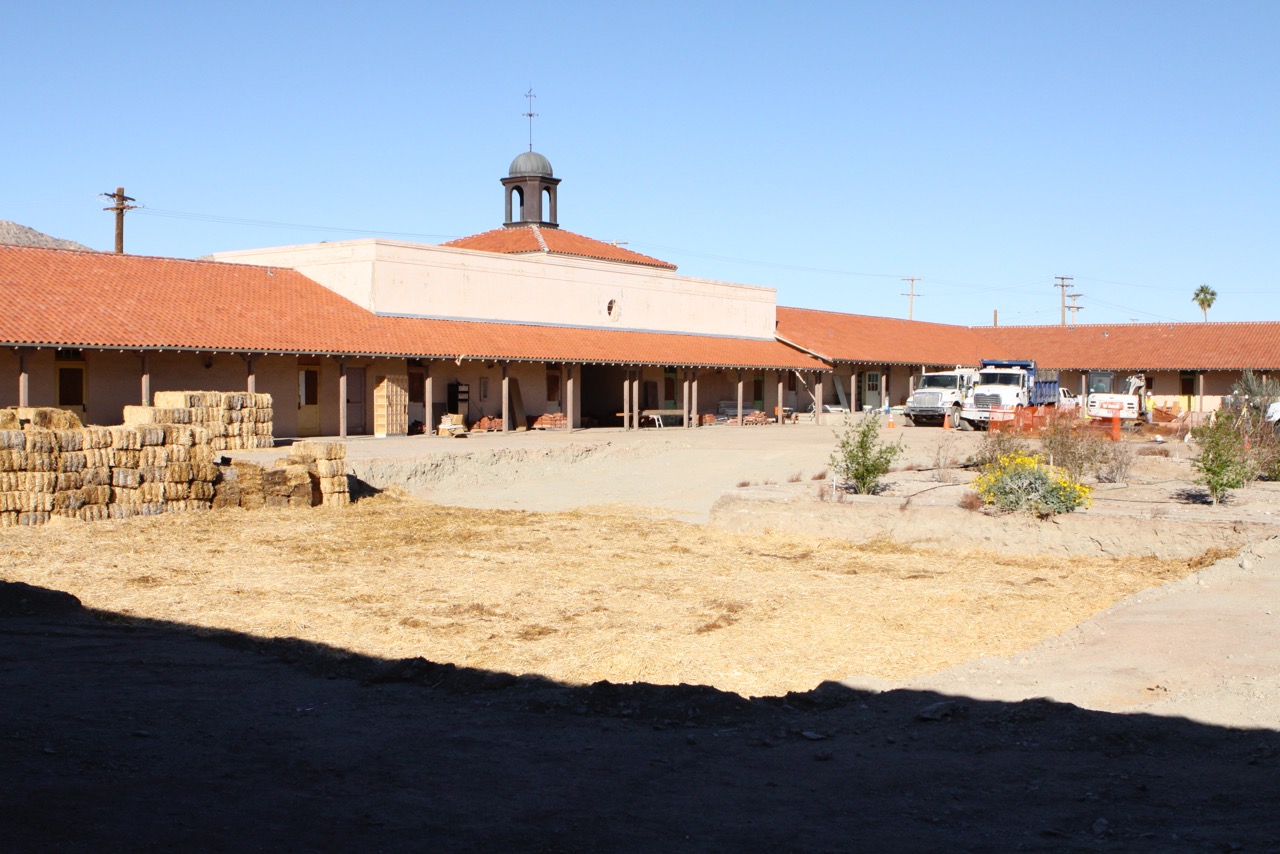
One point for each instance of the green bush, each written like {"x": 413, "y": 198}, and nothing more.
{"x": 861, "y": 458}
{"x": 1224, "y": 463}
{"x": 1019, "y": 481}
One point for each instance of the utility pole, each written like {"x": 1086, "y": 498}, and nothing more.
{"x": 1073, "y": 308}
{"x": 911, "y": 296}
{"x": 1062, "y": 283}
{"x": 119, "y": 207}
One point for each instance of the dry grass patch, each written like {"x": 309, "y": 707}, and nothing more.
{"x": 577, "y": 596}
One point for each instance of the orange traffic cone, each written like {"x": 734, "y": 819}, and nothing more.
{"x": 891, "y": 425}
{"x": 946, "y": 421}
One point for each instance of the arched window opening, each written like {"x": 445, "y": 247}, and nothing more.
{"x": 517, "y": 204}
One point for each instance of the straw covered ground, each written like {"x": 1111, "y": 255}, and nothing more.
{"x": 576, "y": 596}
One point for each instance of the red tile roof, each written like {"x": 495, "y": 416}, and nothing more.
{"x": 97, "y": 300}
{"x": 882, "y": 340}
{"x": 1144, "y": 346}
{"x": 528, "y": 239}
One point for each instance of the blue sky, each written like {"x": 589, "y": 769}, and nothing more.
{"x": 824, "y": 149}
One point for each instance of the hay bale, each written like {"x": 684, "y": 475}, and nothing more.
{"x": 178, "y": 473}
{"x": 67, "y": 480}
{"x": 9, "y": 419}
{"x": 36, "y": 481}
{"x": 93, "y": 513}
{"x": 136, "y": 415}
{"x": 121, "y": 510}
{"x": 202, "y": 491}
{"x": 337, "y": 499}
{"x": 71, "y": 461}
{"x": 96, "y": 437}
{"x": 178, "y": 434}
{"x": 96, "y": 476}
{"x": 126, "y": 459}
{"x": 41, "y": 441}
{"x": 249, "y": 478}
{"x": 36, "y": 502}
{"x": 33, "y": 518}
{"x": 124, "y": 479}
{"x": 96, "y": 494}
{"x": 8, "y": 520}
{"x": 332, "y": 468}
{"x": 10, "y": 502}
{"x": 177, "y": 453}
{"x": 150, "y": 508}
{"x": 48, "y": 418}
{"x": 11, "y": 481}
{"x": 70, "y": 440}
{"x": 204, "y": 472}
{"x": 67, "y": 500}
{"x": 13, "y": 460}
{"x": 177, "y": 490}
{"x": 151, "y": 474}
{"x": 320, "y": 450}
{"x": 41, "y": 462}
{"x": 201, "y": 454}
{"x": 226, "y": 494}
{"x": 155, "y": 455}
{"x": 125, "y": 439}
{"x": 150, "y": 435}
{"x": 13, "y": 440}
{"x": 151, "y": 493}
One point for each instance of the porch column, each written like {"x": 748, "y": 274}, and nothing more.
{"x": 342, "y": 399}
{"x": 570, "y": 408}
{"x": 626, "y": 400}
{"x": 696, "y": 418}
{"x": 684, "y": 398}
{"x": 1200, "y": 392}
{"x": 24, "y": 380}
{"x": 635, "y": 396}
{"x": 853, "y": 392}
{"x": 146, "y": 381}
{"x": 506, "y": 399}
{"x": 780, "y": 387}
{"x": 251, "y": 375}
{"x": 739, "y": 398}
{"x": 821, "y": 395}
{"x": 428, "y": 391}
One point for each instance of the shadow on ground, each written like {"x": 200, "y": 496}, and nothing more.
{"x": 132, "y": 736}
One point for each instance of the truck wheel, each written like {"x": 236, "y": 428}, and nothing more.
{"x": 907, "y": 422}
{"x": 956, "y": 420}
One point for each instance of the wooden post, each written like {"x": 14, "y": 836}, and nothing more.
{"x": 428, "y": 392}
{"x": 24, "y": 380}
{"x": 684, "y": 399}
{"x": 146, "y": 381}
{"x": 820, "y": 394}
{"x": 342, "y": 399}
{"x": 781, "y": 374}
{"x": 506, "y": 398}
{"x": 251, "y": 376}
{"x": 570, "y": 409}
{"x": 739, "y": 398}
{"x": 696, "y": 417}
{"x": 1200, "y": 392}
{"x": 635, "y": 396}
{"x": 626, "y": 400}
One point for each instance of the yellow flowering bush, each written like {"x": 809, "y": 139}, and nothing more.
{"x": 1018, "y": 481}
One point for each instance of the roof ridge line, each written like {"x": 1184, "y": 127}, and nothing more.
{"x": 537, "y": 233}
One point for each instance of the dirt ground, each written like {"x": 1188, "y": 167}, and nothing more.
{"x": 147, "y": 731}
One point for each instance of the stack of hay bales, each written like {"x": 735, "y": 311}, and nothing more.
{"x": 235, "y": 421}
{"x": 326, "y": 466}
{"x": 37, "y": 478}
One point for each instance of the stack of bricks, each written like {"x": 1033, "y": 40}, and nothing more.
{"x": 551, "y": 421}
{"x": 487, "y": 424}
{"x": 326, "y": 466}
{"x": 757, "y": 418}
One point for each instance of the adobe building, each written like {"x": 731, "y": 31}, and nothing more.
{"x": 524, "y": 322}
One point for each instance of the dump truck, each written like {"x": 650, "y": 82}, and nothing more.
{"x": 1130, "y": 406}
{"x": 938, "y": 394}
{"x": 1009, "y": 385}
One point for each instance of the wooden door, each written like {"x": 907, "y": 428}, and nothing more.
{"x": 309, "y": 401}
{"x": 357, "y": 420}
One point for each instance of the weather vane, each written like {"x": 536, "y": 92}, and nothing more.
{"x": 531, "y": 114}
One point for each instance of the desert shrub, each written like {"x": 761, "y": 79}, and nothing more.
{"x": 861, "y": 458}
{"x": 1072, "y": 447}
{"x": 1223, "y": 463}
{"x": 970, "y": 501}
{"x": 1021, "y": 482}
{"x": 1114, "y": 462}
{"x": 1000, "y": 443}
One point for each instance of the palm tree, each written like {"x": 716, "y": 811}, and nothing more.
{"x": 1204, "y": 297}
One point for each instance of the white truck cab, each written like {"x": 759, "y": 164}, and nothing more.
{"x": 938, "y": 394}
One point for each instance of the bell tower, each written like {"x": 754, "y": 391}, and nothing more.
{"x": 531, "y": 192}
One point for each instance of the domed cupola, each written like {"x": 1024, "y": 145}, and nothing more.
{"x": 531, "y": 192}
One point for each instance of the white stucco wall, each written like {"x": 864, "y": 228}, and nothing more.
{"x": 395, "y": 278}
